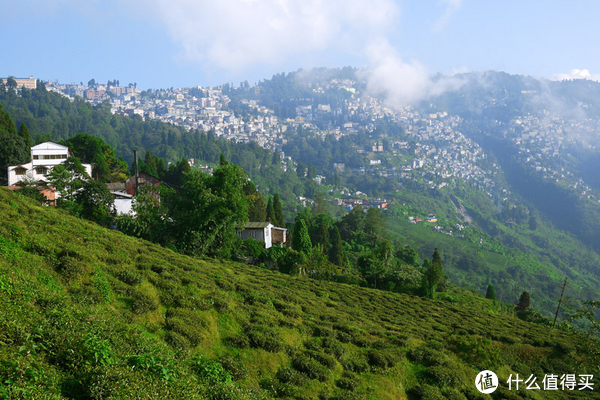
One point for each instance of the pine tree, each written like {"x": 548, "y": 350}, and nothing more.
{"x": 434, "y": 278}
{"x": 336, "y": 253}
{"x": 278, "y": 211}
{"x": 270, "y": 211}
{"x": 491, "y": 293}
{"x": 300, "y": 239}
{"x": 24, "y": 133}
{"x": 222, "y": 159}
{"x": 322, "y": 236}
{"x": 524, "y": 302}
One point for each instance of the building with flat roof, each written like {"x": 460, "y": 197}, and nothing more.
{"x": 29, "y": 83}
{"x": 44, "y": 157}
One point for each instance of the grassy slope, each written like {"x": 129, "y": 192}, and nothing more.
{"x": 91, "y": 313}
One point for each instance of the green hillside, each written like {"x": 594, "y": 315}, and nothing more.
{"x": 92, "y": 313}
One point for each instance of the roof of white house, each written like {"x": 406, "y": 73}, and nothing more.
{"x": 49, "y": 146}
{"x": 257, "y": 225}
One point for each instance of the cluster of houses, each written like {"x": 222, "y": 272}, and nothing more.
{"x": 45, "y": 156}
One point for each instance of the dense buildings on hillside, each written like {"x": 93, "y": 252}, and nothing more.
{"x": 435, "y": 153}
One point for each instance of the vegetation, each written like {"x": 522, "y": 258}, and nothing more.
{"x": 92, "y": 313}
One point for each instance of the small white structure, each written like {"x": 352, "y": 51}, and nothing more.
{"x": 264, "y": 232}
{"x": 123, "y": 203}
{"x": 44, "y": 157}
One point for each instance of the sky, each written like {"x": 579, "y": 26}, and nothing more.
{"x": 177, "y": 43}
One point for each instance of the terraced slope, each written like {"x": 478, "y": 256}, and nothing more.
{"x": 91, "y": 313}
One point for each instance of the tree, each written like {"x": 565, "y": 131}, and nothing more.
{"x": 176, "y": 173}
{"x": 523, "y": 311}
{"x": 524, "y": 302}
{"x": 67, "y": 179}
{"x": 433, "y": 278}
{"x": 94, "y": 150}
{"x": 11, "y": 83}
{"x": 96, "y": 203}
{"x": 312, "y": 171}
{"x": 322, "y": 235}
{"x": 208, "y": 210}
{"x": 24, "y": 133}
{"x": 301, "y": 169}
{"x": 301, "y": 240}
{"x": 352, "y": 223}
{"x": 270, "y": 211}
{"x": 533, "y": 223}
{"x": 222, "y": 159}
{"x": 336, "y": 253}
{"x": 278, "y": 211}
{"x": 152, "y": 220}
{"x": 491, "y": 293}
{"x": 409, "y": 255}
{"x": 377, "y": 265}
{"x": 257, "y": 205}
{"x": 374, "y": 222}
{"x": 13, "y": 149}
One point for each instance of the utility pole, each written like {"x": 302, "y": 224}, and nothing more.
{"x": 137, "y": 173}
{"x": 560, "y": 301}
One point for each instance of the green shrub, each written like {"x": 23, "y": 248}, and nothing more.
{"x": 142, "y": 303}
{"x": 426, "y": 355}
{"x": 97, "y": 351}
{"x": 210, "y": 371}
{"x": 71, "y": 267}
{"x": 289, "y": 375}
{"x": 380, "y": 359}
{"x": 279, "y": 389}
{"x": 428, "y": 392}
{"x": 443, "y": 375}
{"x": 348, "y": 381}
{"x": 333, "y": 347}
{"x": 311, "y": 367}
{"x": 238, "y": 341}
{"x": 453, "y": 394}
{"x": 264, "y": 337}
{"x": 321, "y": 358}
{"x": 177, "y": 340}
{"x": 156, "y": 366}
{"x": 129, "y": 277}
{"x": 355, "y": 362}
{"x": 235, "y": 367}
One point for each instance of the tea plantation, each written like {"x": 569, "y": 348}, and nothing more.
{"x": 87, "y": 312}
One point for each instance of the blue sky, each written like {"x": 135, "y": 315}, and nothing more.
{"x": 164, "y": 43}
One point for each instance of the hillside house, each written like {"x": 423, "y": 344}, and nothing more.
{"x": 44, "y": 157}
{"x": 142, "y": 179}
{"x": 265, "y": 232}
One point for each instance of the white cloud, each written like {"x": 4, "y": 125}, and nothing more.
{"x": 237, "y": 34}
{"x": 576, "y": 74}
{"x": 402, "y": 82}
{"x": 452, "y": 6}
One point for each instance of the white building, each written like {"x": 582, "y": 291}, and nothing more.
{"x": 44, "y": 157}
{"x": 264, "y": 232}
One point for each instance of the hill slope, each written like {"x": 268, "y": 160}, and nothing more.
{"x": 91, "y": 313}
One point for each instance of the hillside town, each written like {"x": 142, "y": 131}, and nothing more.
{"x": 435, "y": 153}
{"x": 544, "y": 144}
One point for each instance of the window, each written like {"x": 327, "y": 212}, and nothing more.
{"x": 41, "y": 170}
{"x": 36, "y": 157}
{"x": 20, "y": 171}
